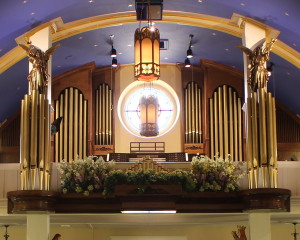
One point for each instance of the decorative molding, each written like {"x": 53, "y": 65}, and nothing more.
{"x": 163, "y": 197}
{"x": 231, "y": 26}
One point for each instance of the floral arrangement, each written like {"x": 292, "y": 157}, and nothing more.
{"x": 93, "y": 174}
{"x": 84, "y": 175}
{"x": 216, "y": 174}
{"x": 144, "y": 178}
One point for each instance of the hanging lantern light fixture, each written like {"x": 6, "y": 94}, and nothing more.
{"x": 147, "y": 52}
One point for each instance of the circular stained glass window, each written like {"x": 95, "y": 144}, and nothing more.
{"x": 129, "y": 109}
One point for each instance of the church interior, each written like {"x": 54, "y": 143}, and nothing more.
{"x": 191, "y": 88}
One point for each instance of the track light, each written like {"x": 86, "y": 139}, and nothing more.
{"x": 189, "y": 52}
{"x": 187, "y": 63}
{"x": 113, "y": 52}
{"x": 114, "y": 62}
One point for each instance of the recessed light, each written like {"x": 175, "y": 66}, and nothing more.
{"x": 286, "y": 14}
{"x": 243, "y": 4}
{"x": 32, "y": 13}
{"x": 80, "y": 38}
{"x": 294, "y": 44}
{"x": 200, "y": 1}
{"x": 120, "y": 53}
{"x": 59, "y": 66}
{"x": 226, "y": 49}
{"x": 96, "y": 45}
{"x": 214, "y": 34}
{"x": 90, "y": 1}
{"x": 129, "y": 45}
{"x": 166, "y": 58}
{"x": 130, "y": 5}
{"x": 25, "y": 1}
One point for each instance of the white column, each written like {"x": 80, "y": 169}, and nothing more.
{"x": 260, "y": 226}
{"x": 38, "y": 227}
{"x": 43, "y": 40}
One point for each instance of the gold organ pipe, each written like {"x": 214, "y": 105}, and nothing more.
{"x": 76, "y": 120}
{"x": 193, "y": 111}
{"x": 216, "y": 123}
{"x": 26, "y": 161}
{"x": 189, "y": 114}
{"x": 270, "y": 144}
{"x": 235, "y": 127}
{"x": 110, "y": 117}
{"x": 240, "y": 146}
{"x": 97, "y": 117}
{"x": 56, "y": 158}
{"x": 80, "y": 126}
{"x": 186, "y": 115}
{"x": 231, "y": 143}
{"x": 66, "y": 134}
{"x": 84, "y": 127}
{"x": 249, "y": 144}
{"x": 254, "y": 130}
{"x": 200, "y": 116}
{"x": 275, "y": 144}
{"x": 61, "y": 132}
{"x": 225, "y": 108}
{"x": 100, "y": 115}
{"x": 42, "y": 140}
{"x": 221, "y": 140}
{"x": 34, "y": 124}
{"x": 34, "y": 136}
{"x": 103, "y": 114}
{"x": 262, "y": 127}
{"x": 71, "y": 120}
{"x": 22, "y": 128}
{"x": 196, "y": 114}
{"x": 47, "y": 149}
{"x": 106, "y": 114}
{"x": 211, "y": 110}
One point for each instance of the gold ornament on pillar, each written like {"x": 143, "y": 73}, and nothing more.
{"x": 149, "y": 116}
{"x": 38, "y": 76}
{"x": 240, "y": 235}
{"x": 147, "y": 52}
{"x": 258, "y": 73}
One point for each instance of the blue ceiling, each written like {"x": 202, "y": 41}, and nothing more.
{"x": 19, "y": 16}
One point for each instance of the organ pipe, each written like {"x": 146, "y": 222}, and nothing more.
{"x": 193, "y": 128}
{"x": 70, "y": 141}
{"x": 103, "y": 118}
{"x": 225, "y": 123}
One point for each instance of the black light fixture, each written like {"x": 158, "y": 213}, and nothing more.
{"x": 6, "y": 236}
{"x": 187, "y": 63}
{"x": 270, "y": 68}
{"x": 189, "y": 52}
{"x": 295, "y": 234}
{"x": 114, "y": 62}
{"x": 113, "y": 52}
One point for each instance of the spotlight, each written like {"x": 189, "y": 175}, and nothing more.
{"x": 187, "y": 63}
{"x": 113, "y": 52}
{"x": 114, "y": 62}
{"x": 189, "y": 53}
